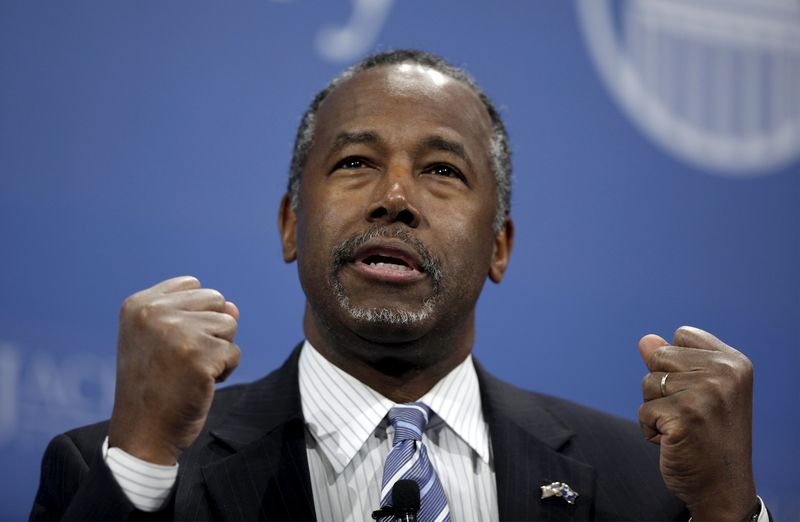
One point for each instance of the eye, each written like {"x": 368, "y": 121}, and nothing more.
{"x": 352, "y": 162}
{"x": 448, "y": 171}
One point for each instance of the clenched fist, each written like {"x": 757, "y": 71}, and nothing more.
{"x": 698, "y": 408}
{"x": 175, "y": 343}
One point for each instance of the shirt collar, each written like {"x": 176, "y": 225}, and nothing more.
{"x": 341, "y": 412}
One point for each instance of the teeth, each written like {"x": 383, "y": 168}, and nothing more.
{"x": 391, "y": 266}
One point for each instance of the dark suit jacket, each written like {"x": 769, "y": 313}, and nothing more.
{"x": 249, "y": 463}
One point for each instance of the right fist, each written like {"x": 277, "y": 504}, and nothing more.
{"x": 175, "y": 343}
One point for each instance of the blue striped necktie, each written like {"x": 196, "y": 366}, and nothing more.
{"x": 408, "y": 459}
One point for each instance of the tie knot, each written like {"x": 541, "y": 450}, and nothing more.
{"x": 409, "y": 420}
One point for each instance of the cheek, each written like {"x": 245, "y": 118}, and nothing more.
{"x": 321, "y": 223}
{"x": 467, "y": 248}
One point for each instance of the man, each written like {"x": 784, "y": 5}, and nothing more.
{"x": 397, "y": 211}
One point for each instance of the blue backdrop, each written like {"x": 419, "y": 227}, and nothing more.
{"x": 656, "y": 184}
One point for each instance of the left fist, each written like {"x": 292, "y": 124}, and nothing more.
{"x": 698, "y": 407}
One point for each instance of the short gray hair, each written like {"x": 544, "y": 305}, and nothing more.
{"x": 499, "y": 149}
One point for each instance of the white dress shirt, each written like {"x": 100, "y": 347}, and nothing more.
{"x": 348, "y": 438}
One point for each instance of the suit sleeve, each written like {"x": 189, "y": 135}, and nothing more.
{"x": 77, "y": 485}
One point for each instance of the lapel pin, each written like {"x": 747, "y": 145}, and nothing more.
{"x": 559, "y": 489}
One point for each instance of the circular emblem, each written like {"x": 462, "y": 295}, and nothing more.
{"x": 717, "y": 84}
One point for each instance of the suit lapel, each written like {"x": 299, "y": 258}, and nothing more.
{"x": 527, "y": 444}
{"x": 265, "y": 480}
{"x": 265, "y": 476}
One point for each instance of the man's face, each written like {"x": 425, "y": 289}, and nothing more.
{"x": 393, "y": 234}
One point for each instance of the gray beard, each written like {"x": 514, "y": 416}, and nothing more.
{"x": 382, "y": 316}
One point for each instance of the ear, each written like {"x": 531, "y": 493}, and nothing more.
{"x": 287, "y": 226}
{"x": 503, "y": 242}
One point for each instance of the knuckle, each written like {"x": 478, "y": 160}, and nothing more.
{"x": 659, "y": 357}
{"x": 683, "y": 335}
{"x": 714, "y": 393}
{"x": 735, "y": 368}
{"x": 134, "y": 314}
{"x": 146, "y": 314}
{"x": 190, "y": 281}
{"x": 693, "y": 409}
{"x": 186, "y": 351}
{"x": 170, "y": 328}
{"x": 687, "y": 405}
{"x": 726, "y": 367}
{"x": 745, "y": 366}
{"x": 215, "y": 296}
{"x": 131, "y": 304}
{"x": 680, "y": 335}
{"x": 739, "y": 371}
{"x": 236, "y": 355}
{"x": 643, "y": 412}
{"x": 128, "y": 305}
{"x": 146, "y": 310}
{"x": 231, "y": 324}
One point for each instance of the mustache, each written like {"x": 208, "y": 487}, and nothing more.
{"x": 343, "y": 252}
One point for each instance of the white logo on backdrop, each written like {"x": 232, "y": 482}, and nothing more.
{"x": 345, "y": 44}
{"x": 717, "y": 83}
{"x": 41, "y": 395}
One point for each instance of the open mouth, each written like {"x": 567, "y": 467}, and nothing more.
{"x": 386, "y": 262}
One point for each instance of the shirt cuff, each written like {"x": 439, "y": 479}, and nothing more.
{"x": 763, "y": 515}
{"x": 146, "y": 485}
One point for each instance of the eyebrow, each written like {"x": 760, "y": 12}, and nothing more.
{"x": 354, "y": 138}
{"x": 440, "y": 143}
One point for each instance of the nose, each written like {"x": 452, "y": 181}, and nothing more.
{"x": 392, "y": 204}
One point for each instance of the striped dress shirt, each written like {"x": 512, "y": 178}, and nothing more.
{"x": 146, "y": 485}
{"x": 348, "y": 438}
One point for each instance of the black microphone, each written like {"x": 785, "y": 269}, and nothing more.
{"x": 405, "y": 497}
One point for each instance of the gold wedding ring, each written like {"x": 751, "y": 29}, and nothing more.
{"x": 664, "y": 385}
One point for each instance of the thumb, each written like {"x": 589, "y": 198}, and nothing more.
{"x": 649, "y": 344}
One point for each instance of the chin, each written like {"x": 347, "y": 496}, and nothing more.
{"x": 390, "y": 325}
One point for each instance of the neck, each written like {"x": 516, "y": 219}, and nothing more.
{"x": 402, "y": 371}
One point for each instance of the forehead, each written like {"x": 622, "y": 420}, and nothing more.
{"x": 406, "y": 100}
